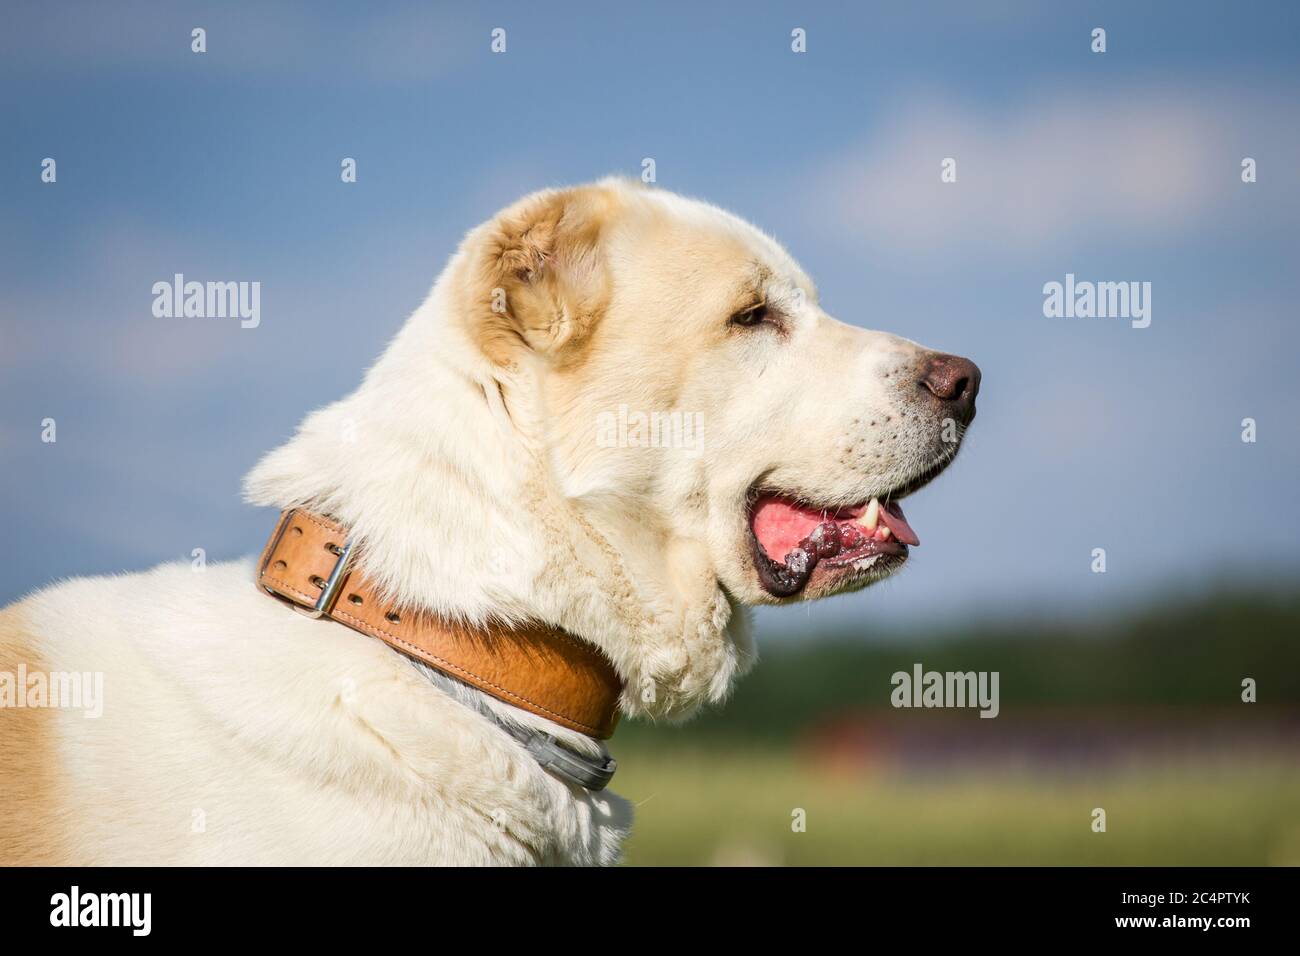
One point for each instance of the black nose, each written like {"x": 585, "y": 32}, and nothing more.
{"x": 954, "y": 381}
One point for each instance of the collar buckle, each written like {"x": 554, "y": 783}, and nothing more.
{"x": 329, "y": 587}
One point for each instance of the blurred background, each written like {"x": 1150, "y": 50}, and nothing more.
{"x": 1120, "y": 690}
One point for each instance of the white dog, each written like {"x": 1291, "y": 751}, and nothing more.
{"x": 619, "y": 417}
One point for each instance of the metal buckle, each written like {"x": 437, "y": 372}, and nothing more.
{"x": 330, "y": 591}
{"x": 329, "y": 588}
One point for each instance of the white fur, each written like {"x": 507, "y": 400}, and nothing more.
{"x": 479, "y": 494}
{"x": 236, "y": 731}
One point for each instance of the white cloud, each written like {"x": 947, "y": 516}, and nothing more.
{"x": 292, "y": 42}
{"x": 1124, "y": 163}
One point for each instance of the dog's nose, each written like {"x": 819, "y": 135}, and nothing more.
{"x": 954, "y": 381}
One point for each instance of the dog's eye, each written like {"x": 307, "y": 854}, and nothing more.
{"x": 756, "y": 315}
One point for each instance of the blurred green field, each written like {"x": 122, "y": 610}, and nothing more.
{"x": 718, "y": 807}
{"x": 1141, "y": 714}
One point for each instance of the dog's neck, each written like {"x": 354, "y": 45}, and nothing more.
{"x": 437, "y": 463}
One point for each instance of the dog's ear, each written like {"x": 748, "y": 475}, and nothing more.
{"x": 538, "y": 279}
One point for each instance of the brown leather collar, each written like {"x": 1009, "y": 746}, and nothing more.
{"x": 540, "y": 669}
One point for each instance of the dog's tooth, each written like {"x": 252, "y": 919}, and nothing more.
{"x": 871, "y": 517}
{"x": 885, "y": 533}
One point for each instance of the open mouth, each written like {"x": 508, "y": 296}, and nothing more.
{"x": 791, "y": 539}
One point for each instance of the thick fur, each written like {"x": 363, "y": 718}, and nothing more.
{"x": 236, "y": 731}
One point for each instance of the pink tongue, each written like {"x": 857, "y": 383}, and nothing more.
{"x": 892, "y": 515}
{"x": 779, "y": 526}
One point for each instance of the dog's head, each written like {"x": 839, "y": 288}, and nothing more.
{"x": 688, "y": 381}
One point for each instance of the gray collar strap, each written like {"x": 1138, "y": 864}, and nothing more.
{"x": 594, "y": 773}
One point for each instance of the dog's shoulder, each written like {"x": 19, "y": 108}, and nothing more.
{"x": 234, "y": 729}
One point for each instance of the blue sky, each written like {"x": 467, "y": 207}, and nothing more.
{"x": 1117, "y": 166}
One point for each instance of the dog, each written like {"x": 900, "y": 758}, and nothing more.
{"x": 496, "y": 475}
